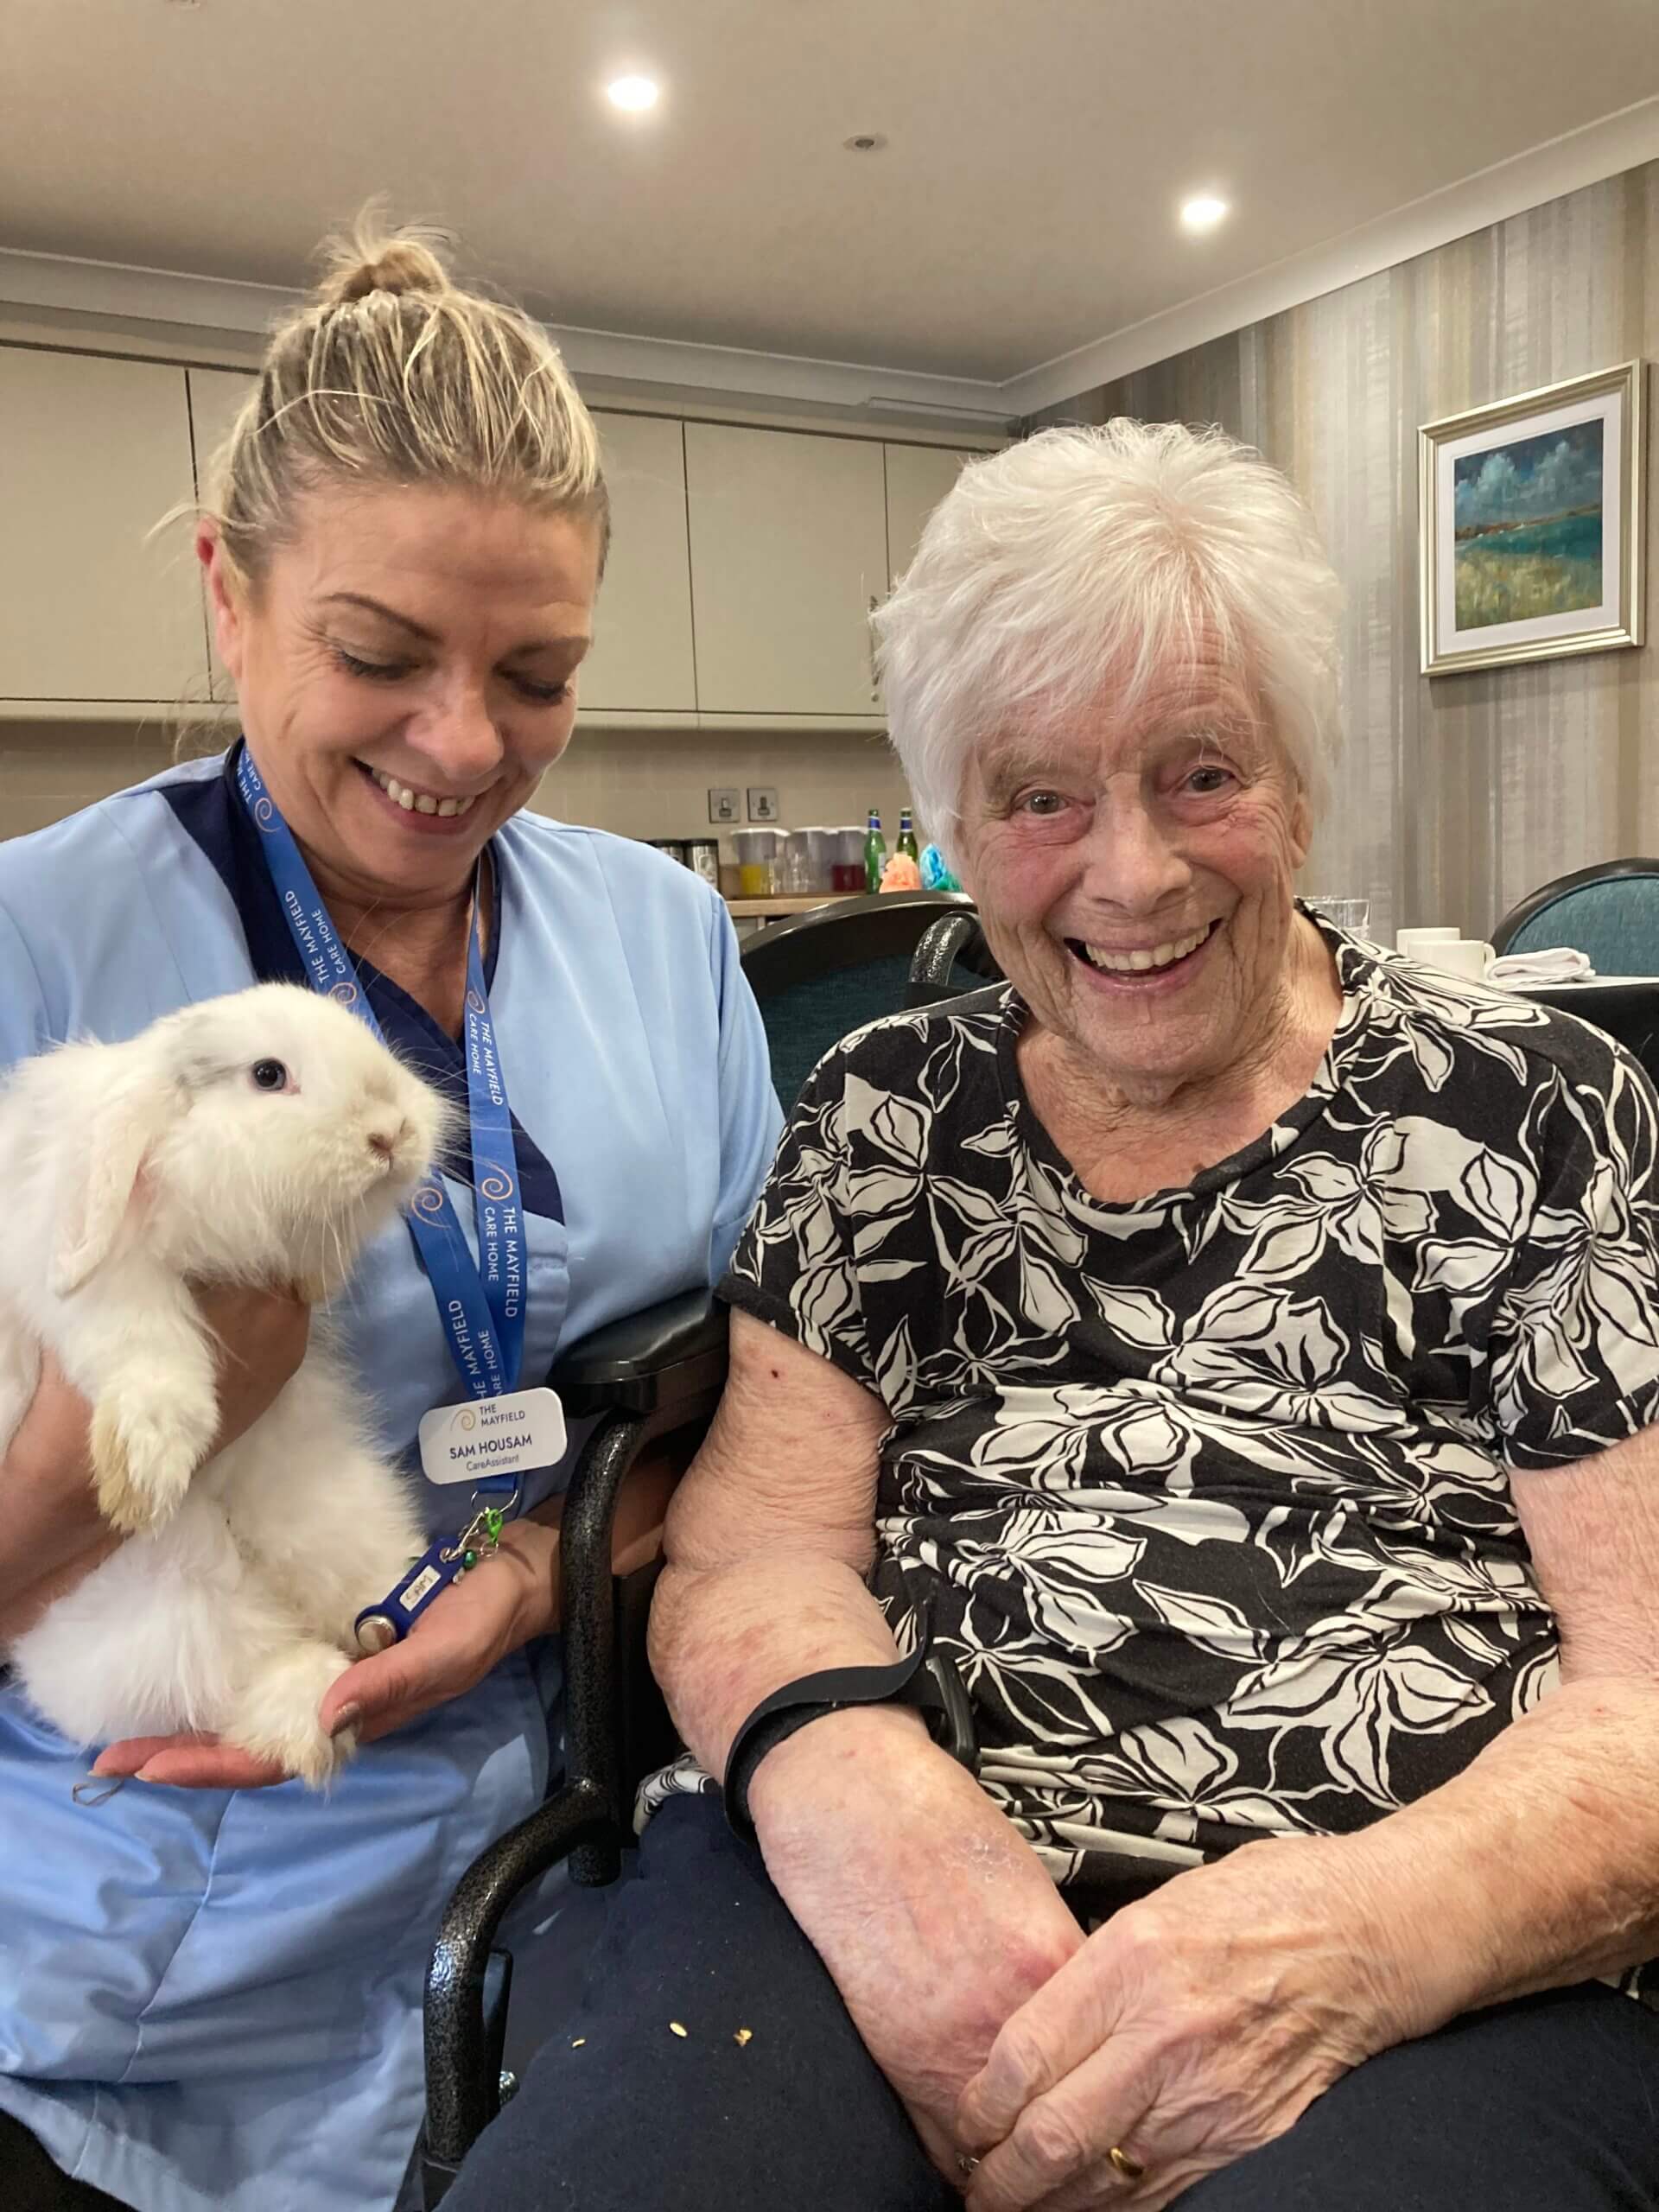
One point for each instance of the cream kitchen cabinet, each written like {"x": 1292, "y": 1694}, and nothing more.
{"x": 216, "y": 398}
{"x": 94, "y": 610}
{"x": 917, "y": 479}
{"x": 789, "y": 547}
{"x": 642, "y": 660}
{"x": 744, "y": 560}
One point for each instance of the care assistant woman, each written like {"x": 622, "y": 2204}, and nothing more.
{"x": 210, "y": 1992}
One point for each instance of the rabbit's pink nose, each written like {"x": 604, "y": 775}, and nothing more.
{"x": 385, "y": 1142}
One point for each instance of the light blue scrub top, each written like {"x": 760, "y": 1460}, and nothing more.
{"x": 212, "y": 1999}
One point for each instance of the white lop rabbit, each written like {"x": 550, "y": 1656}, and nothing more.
{"x": 257, "y": 1139}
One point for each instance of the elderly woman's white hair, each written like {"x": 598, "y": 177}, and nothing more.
{"x": 1084, "y": 556}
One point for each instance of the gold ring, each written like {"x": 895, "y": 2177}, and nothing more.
{"x": 1131, "y": 2169}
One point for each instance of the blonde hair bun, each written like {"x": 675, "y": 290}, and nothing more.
{"x": 394, "y": 373}
{"x": 409, "y": 260}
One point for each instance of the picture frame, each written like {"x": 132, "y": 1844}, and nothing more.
{"x": 1531, "y": 519}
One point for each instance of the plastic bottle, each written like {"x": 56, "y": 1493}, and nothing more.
{"x": 906, "y": 836}
{"x": 876, "y": 853}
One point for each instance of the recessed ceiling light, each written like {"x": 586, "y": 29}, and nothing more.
{"x": 865, "y": 142}
{"x": 1204, "y": 211}
{"x": 635, "y": 94}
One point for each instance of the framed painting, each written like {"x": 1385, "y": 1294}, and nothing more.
{"x": 1531, "y": 521}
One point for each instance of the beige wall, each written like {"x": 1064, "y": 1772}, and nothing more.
{"x": 1456, "y": 796}
{"x": 643, "y": 784}
{"x": 647, "y": 785}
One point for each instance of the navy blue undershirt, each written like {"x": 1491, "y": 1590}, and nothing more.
{"x": 214, "y": 818}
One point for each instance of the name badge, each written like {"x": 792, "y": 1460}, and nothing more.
{"x": 504, "y": 1435}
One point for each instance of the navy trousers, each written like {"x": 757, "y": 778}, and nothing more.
{"x": 1548, "y": 2105}
{"x": 30, "y": 2182}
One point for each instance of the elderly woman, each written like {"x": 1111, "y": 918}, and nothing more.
{"x": 210, "y": 1992}
{"x": 1233, "y": 1349}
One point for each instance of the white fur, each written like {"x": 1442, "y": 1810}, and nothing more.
{"x": 132, "y": 1171}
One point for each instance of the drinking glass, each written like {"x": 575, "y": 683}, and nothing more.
{"x": 1354, "y": 914}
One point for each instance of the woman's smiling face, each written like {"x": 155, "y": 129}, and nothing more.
{"x": 1134, "y": 869}
{"x": 406, "y": 673}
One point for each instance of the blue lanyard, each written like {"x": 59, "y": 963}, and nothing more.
{"x": 481, "y": 1301}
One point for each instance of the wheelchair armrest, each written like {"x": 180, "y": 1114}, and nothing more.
{"x": 646, "y": 1363}
{"x": 653, "y": 1372}
{"x": 462, "y": 2054}
{"x": 932, "y": 964}
{"x": 659, "y": 1371}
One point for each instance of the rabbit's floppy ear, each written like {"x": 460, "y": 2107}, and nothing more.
{"x": 133, "y": 1115}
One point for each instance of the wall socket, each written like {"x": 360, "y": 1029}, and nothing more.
{"x": 725, "y": 805}
{"x": 762, "y": 802}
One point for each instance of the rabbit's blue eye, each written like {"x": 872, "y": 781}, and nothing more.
{"x": 269, "y": 1075}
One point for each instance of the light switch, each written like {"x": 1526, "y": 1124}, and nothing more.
{"x": 725, "y": 805}
{"x": 763, "y": 803}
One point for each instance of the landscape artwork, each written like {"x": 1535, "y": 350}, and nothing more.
{"x": 1527, "y": 527}
{"x": 1531, "y": 515}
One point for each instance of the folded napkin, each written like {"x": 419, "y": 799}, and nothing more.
{"x": 1551, "y": 964}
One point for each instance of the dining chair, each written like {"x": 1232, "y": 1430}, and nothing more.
{"x": 821, "y": 975}
{"x": 1610, "y": 913}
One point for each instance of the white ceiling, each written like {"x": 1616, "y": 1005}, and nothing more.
{"x": 1023, "y": 207}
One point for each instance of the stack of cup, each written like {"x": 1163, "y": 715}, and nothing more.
{"x": 1444, "y": 948}
{"x": 795, "y": 864}
{"x": 823, "y": 844}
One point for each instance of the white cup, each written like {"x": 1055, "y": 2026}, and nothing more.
{"x": 1414, "y": 945}
{"x": 1461, "y": 955}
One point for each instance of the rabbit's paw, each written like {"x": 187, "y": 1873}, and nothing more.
{"x": 145, "y": 1449}
{"x": 276, "y": 1715}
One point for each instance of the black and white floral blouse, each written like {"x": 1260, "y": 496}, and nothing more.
{"x": 1206, "y": 1494}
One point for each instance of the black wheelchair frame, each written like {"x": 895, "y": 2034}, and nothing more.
{"x": 644, "y": 1379}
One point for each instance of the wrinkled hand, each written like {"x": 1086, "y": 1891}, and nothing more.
{"x": 463, "y": 1634}
{"x": 1197, "y": 2025}
{"x": 933, "y": 1915}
